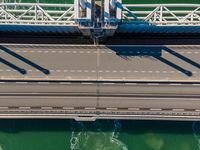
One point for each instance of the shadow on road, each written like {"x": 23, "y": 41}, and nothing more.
{"x": 21, "y": 58}
{"x": 155, "y": 52}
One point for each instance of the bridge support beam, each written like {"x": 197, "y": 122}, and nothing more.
{"x": 83, "y": 12}
{"x": 112, "y": 11}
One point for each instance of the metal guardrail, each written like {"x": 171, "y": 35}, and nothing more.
{"x": 36, "y": 13}
{"x": 162, "y": 14}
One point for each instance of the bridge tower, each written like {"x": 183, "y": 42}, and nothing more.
{"x": 98, "y": 19}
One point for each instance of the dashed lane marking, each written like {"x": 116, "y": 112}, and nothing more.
{"x": 108, "y": 51}
{"x": 104, "y": 71}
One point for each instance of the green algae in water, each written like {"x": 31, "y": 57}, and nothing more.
{"x": 98, "y": 135}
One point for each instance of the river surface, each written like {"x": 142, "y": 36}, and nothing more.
{"x": 98, "y": 135}
{"x": 101, "y": 134}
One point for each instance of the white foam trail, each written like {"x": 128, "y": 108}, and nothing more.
{"x": 1, "y": 147}
{"x": 196, "y": 131}
{"x": 115, "y": 135}
{"x": 74, "y": 142}
{"x": 80, "y": 140}
{"x": 75, "y": 137}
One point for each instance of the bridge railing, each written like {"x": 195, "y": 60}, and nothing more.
{"x": 36, "y": 13}
{"x": 162, "y": 14}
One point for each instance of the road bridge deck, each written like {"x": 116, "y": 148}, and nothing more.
{"x": 90, "y": 101}
{"x": 88, "y": 82}
{"x": 100, "y": 63}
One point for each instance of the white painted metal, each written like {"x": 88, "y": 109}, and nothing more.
{"x": 82, "y": 10}
{"x": 112, "y": 6}
{"x": 82, "y": 3}
{"x": 162, "y": 14}
{"x": 65, "y": 14}
{"x": 36, "y": 13}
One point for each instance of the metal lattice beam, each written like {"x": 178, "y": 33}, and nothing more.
{"x": 163, "y": 14}
{"x": 36, "y": 13}
{"x": 63, "y": 14}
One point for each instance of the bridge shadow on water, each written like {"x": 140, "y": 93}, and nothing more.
{"x": 155, "y": 52}
{"x": 21, "y": 58}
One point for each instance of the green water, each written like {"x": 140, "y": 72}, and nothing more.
{"x": 99, "y": 135}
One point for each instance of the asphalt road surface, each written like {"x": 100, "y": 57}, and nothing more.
{"x": 168, "y": 96}
{"x": 97, "y": 63}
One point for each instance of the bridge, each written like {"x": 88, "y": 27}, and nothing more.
{"x": 100, "y": 19}
{"x": 100, "y": 81}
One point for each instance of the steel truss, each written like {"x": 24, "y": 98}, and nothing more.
{"x": 162, "y": 14}
{"x": 63, "y": 14}
{"x": 36, "y": 13}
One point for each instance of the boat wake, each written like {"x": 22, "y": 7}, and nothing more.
{"x": 97, "y": 138}
{"x": 196, "y": 132}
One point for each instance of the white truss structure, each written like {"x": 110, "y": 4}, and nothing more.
{"x": 64, "y": 14}
{"x": 36, "y": 13}
{"x": 162, "y": 14}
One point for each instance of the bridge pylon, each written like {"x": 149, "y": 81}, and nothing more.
{"x": 98, "y": 19}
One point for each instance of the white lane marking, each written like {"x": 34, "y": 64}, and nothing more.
{"x": 111, "y": 108}
{"x": 177, "y": 109}
{"x": 152, "y": 84}
{"x": 90, "y": 108}
{"x": 101, "y": 71}
{"x": 3, "y": 107}
{"x": 88, "y": 52}
{"x": 155, "y": 109}
{"x": 134, "y": 109}
{"x": 46, "y": 107}
{"x": 68, "y": 107}
{"x": 98, "y": 57}
{"x": 130, "y": 83}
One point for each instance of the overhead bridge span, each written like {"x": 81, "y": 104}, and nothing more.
{"x": 100, "y": 19}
